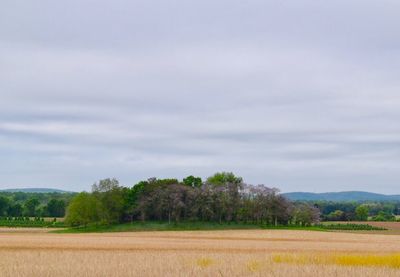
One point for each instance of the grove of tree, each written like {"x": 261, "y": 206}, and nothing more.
{"x": 223, "y": 197}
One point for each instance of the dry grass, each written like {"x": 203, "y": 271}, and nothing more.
{"x": 363, "y": 260}
{"x": 200, "y": 253}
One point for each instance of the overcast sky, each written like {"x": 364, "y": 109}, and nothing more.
{"x": 301, "y": 95}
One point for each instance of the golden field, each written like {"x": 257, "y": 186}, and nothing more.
{"x": 32, "y": 252}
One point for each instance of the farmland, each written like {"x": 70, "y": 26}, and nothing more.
{"x": 33, "y": 252}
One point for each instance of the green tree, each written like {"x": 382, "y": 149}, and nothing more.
{"x": 31, "y": 206}
{"x": 15, "y": 210}
{"x": 192, "y": 181}
{"x": 222, "y": 178}
{"x": 384, "y": 216}
{"x": 83, "y": 209}
{"x": 362, "y": 213}
{"x": 4, "y": 204}
{"x": 131, "y": 198}
{"x": 111, "y": 196}
{"x": 336, "y": 215}
{"x": 55, "y": 208}
{"x": 227, "y": 189}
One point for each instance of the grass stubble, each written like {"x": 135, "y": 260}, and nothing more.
{"x": 200, "y": 253}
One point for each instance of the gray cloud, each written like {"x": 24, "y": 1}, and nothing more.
{"x": 302, "y": 95}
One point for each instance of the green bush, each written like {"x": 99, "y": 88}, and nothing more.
{"x": 384, "y": 216}
{"x": 351, "y": 226}
{"x": 26, "y": 222}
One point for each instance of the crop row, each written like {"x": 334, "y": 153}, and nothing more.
{"x": 351, "y": 226}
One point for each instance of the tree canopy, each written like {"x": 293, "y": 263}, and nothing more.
{"x": 223, "y": 197}
{"x": 84, "y": 208}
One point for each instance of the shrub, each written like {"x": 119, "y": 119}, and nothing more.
{"x": 351, "y": 226}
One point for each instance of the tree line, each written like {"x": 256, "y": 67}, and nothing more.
{"x": 22, "y": 204}
{"x": 352, "y": 211}
{"x": 223, "y": 197}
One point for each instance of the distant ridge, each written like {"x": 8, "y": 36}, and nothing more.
{"x": 36, "y": 190}
{"x": 341, "y": 196}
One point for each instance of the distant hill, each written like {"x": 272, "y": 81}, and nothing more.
{"x": 341, "y": 196}
{"x": 36, "y": 190}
